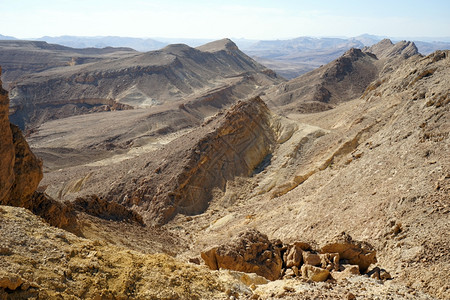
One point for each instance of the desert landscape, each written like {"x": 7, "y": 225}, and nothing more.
{"x": 305, "y": 168}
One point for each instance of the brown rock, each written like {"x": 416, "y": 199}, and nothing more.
{"x": 379, "y": 274}
{"x": 384, "y": 275}
{"x": 314, "y": 273}
{"x": 330, "y": 261}
{"x": 311, "y": 259}
{"x": 27, "y": 170}
{"x": 357, "y": 253}
{"x": 11, "y": 282}
{"x": 250, "y": 252}
{"x": 293, "y": 255}
{"x": 6, "y": 147}
{"x": 345, "y": 272}
{"x": 20, "y": 170}
{"x": 289, "y": 273}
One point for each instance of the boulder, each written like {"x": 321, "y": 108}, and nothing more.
{"x": 314, "y": 273}
{"x": 345, "y": 271}
{"x": 293, "y": 255}
{"x": 250, "y": 252}
{"x": 356, "y": 253}
{"x": 312, "y": 259}
{"x": 379, "y": 274}
{"x": 329, "y": 261}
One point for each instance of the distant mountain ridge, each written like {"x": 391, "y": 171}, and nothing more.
{"x": 138, "y": 44}
{"x": 135, "y": 80}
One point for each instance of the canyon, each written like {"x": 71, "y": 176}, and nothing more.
{"x": 199, "y": 173}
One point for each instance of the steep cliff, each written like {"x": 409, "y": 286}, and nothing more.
{"x": 20, "y": 170}
{"x": 6, "y": 147}
{"x": 230, "y": 145}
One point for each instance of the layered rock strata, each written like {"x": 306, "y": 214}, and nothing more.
{"x": 238, "y": 142}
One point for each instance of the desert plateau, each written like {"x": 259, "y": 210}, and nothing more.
{"x": 307, "y": 168}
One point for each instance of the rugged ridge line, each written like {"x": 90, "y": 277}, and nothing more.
{"x": 234, "y": 144}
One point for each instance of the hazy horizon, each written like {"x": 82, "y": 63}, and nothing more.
{"x": 200, "y": 19}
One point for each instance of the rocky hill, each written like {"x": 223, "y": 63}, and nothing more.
{"x": 19, "y": 58}
{"x": 347, "y": 201}
{"x": 140, "y": 80}
{"x": 343, "y": 79}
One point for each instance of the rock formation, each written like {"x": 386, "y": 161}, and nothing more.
{"x": 386, "y": 49}
{"x": 6, "y": 148}
{"x": 20, "y": 170}
{"x": 249, "y": 252}
{"x": 341, "y": 80}
{"x": 252, "y": 252}
{"x": 234, "y": 144}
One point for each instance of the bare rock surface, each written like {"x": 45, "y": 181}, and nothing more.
{"x": 46, "y": 262}
{"x": 249, "y": 252}
{"x": 386, "y": 49}
{"x": 21, "y": 171}
{"x": 341, "y": 80}
{"x": 361, "y": 254}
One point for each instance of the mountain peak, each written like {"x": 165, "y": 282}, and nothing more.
{"x": 219, "y": 45}
{"x": 386, "y": 49}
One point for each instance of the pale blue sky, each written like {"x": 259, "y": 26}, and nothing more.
{"x": 217, "y": 19}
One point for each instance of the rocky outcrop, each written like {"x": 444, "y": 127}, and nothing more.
{"x": 252, "y": 252}
{"x": 339, "y": 81}
{"x": 27, "y": 170}
{"x": 386, "y": 49}
{"x": 107, "y": 210}
{"x": 20, "y": 171}
{"x": 230, "y": 145}
{"x": 6, "y": 147}
{"x": 356, "y": 253}
{"x": 249, "y": 252}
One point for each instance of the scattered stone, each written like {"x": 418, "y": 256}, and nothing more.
{"x": 314, "y": 273}
{"x": 249, "y": 279}
{"x": 384, "y": 275}
{"x": 194, "y": 260}
{"x": 379, "y": 274}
